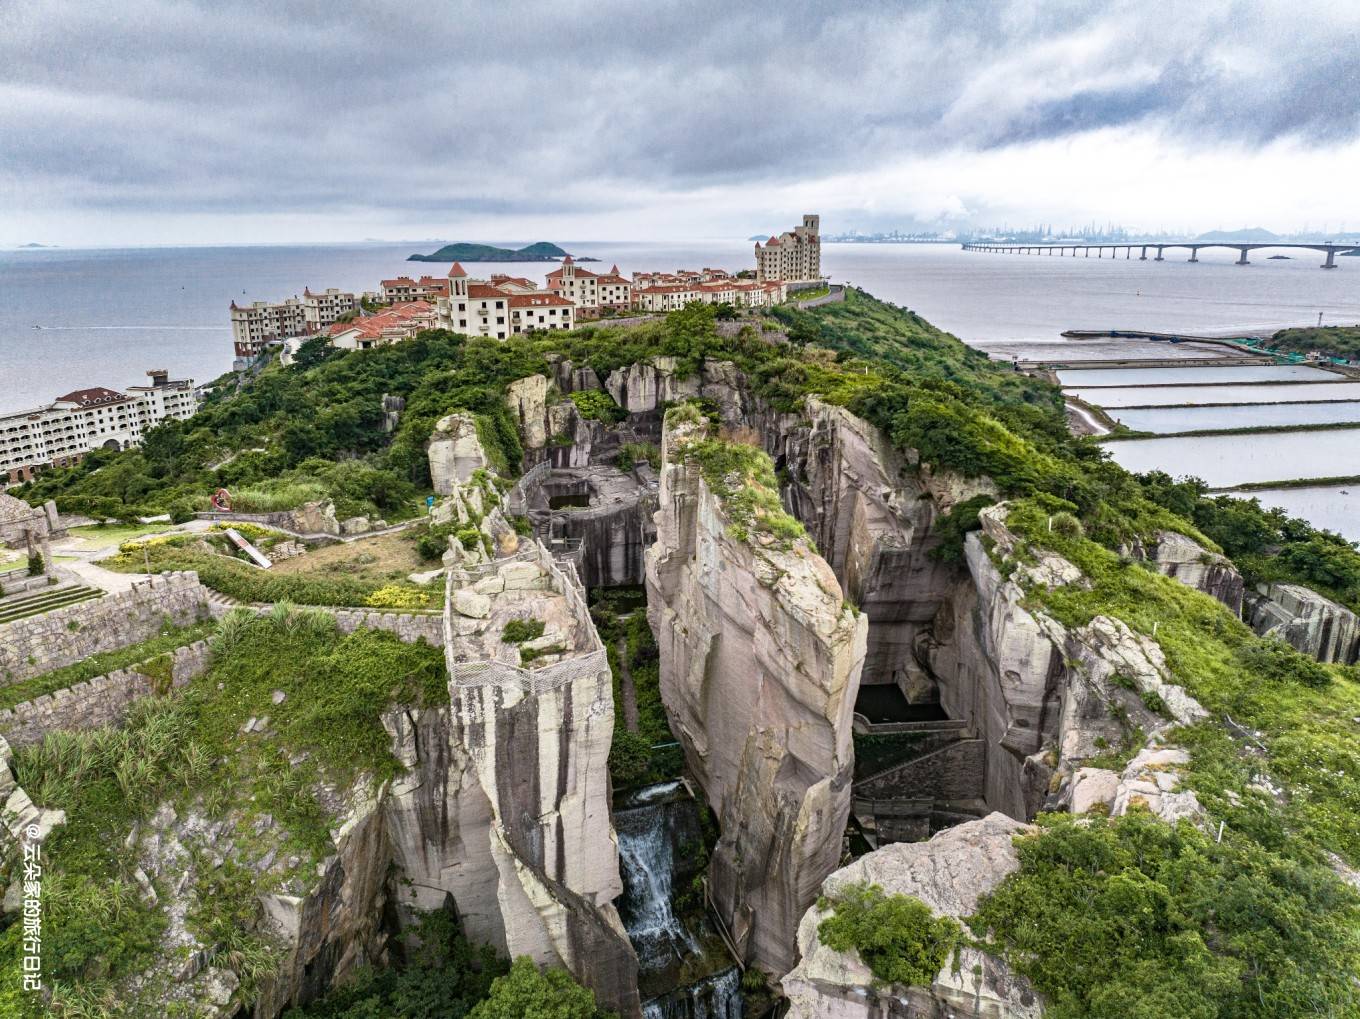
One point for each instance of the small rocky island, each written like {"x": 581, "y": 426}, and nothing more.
{"x": 540, "y": 251}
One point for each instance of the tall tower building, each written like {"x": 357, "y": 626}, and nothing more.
{"x": 794, "y": 255}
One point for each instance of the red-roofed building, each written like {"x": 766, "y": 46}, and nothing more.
{"x": 62, "y": 432}
{"x": 590, "y": 292}
{"x": 394, "y": 325}
{"x": 403, "y": 288}
{"x": 794, "y": 255}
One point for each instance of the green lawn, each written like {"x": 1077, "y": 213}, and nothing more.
{"x": 115, "y": 534}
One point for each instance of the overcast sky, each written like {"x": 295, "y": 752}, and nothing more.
{"x": 149, "y": 122}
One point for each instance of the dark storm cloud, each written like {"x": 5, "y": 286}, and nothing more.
{"x": 512, "y": 107}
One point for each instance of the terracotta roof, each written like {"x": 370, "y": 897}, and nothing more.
{"x": 614, "y": 269}
{"x": 457, "y": 270}
{"x": 773, "y": 240}
{"x": 566, "y": 260}
{"x": 374, "y": 325}
{"x": 485, "y": 290}
{"x": 93, "y": 397}
{"x": 538, "y": 300}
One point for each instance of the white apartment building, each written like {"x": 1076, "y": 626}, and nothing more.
{"x": 794, "y": 255}
{"x": 61, "y": 433}
{"x": 590, "y": 292}
{"x": 319, "y": 311}
{"x": 503, "y": 307}
{"x": 403, "y": 288}
{"x": 258, "y": 323}
{"x": 261, "y": 322}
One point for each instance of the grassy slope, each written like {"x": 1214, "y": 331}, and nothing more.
{"x": 189, "y": 750}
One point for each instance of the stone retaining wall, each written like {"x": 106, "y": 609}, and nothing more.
{"x": 29, "y": 647}
{"x": 95, "y": 702}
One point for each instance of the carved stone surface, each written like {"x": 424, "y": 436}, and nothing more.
{"x": 760, "y": 663}
{"x": 950, "y": 873}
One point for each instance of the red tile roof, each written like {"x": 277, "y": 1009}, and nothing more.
{"x": 485, "y": 290}
{"x": 93, "y": 397}
{"x": 539, "y": 300}
{"x": 457, "y": 270}
{"x": 372, "y": 326}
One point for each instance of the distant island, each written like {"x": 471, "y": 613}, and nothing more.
{"x": 540, "y": 252}
{"x": 32, "y": 245}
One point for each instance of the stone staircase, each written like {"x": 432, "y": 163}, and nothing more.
{"x": 12, "y": 609}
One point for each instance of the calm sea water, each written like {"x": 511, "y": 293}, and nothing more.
{"x": 109, "y": 315}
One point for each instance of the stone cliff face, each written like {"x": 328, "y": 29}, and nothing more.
{"x": 1175, "y": 555}
{"x": 1042, "y": 696}
{"x": 950, "y": 873}
{"x": 760, "y": 663}
{"x": 1305, "y": 619}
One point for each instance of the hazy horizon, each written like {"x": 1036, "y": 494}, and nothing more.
{"x": 138, "y": 123}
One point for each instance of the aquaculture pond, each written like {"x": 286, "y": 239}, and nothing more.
{"x": 1227, "y": 460}
{"x": 1164, "y": 396}
{"x": 1246, "y": 415}
{"x": 1331, "y": 507}
{"x": 1194, "y": 375}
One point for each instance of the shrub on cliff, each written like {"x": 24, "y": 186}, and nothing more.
{"x": 1135, "y": 917}
{"x": 897, "y": 936}
{"x": 526, "y": 993}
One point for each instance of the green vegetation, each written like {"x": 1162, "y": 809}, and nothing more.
{"x": 245, "y": 583}
{"x": 1138, "y": 918}
{"x": 621, "y": 618}
{"x": 1265, "y": 544}
{"x": 439, "y": 975}
{"x": 597, "y": 405}
{"x": 526, "y": 993}
{"x": 1334, "y": 341}
{"x": 190, "y": 749}
{"x": 897, "y": 936}
{"x": 633, "y": 453}
{"x": 743, "y": 479}
{"x": 540, "y": 251}
{"x": 517, "y": 631}
{"x": 155, "y": 648}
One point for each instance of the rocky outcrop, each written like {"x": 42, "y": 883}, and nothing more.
{"x": 760, "y": 662}
{"x": 950, "y": 874}
{"x": 504, "y": 806}
{"x": 454, "y": 451}
{"x": 1043, "y": 697}
{"x": 614, "y": 530}
{"x": 1175, "y": 555}
{"x": 1307, "y": 621}
{"x": 1151, "y": 781}
{"x": 872, "y": 513}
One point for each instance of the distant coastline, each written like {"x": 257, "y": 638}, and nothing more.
{"x": 542, "y": 251}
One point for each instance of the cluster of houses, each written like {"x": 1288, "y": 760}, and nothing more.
{"x": 502, "y": 306}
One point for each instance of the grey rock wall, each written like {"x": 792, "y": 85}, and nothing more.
{"x": 38, "y": 644}
{"x": 760, "y": 663}
{"x": 1306, "y": 620}
{"x": 950, "y": 874}
{"x": 96, "y": 702}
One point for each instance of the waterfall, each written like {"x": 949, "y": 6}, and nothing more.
{"x": 715, "y": 997}
{"x": 685, "y": 971}
{"x": 648, "y": 866}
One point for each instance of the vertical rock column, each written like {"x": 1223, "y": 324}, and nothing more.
{"x": 760, "y": 664}
{"x": 505, "y": 802}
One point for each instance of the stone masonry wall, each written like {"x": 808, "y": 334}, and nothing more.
{"x": 95, "y": 702}
{"x": 29, "y": 647}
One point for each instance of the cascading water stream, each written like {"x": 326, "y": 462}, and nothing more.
{"x": 685, "y": 971}
{"x": 647, "y": 860}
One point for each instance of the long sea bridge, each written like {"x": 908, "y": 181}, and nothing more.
{"x": 1194, "y": 247}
